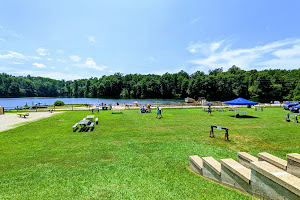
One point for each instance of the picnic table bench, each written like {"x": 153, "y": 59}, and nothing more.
{"x": 116, "y": 110}
{"x": 84, "y": 126}
{"x": 23, "y": 114}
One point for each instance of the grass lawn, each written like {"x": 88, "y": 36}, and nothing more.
{"x": 133, "y": 155}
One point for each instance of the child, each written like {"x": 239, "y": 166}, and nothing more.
{"x": 209, "y": 110}
{"x": 158, "y": 112}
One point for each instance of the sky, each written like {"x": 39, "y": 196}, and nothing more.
{"x": 82, "y": 39}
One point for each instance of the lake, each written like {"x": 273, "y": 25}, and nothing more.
{"x": 14, "y": 102}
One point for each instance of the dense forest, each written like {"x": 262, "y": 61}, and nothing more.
{"x": 216, "y": 85}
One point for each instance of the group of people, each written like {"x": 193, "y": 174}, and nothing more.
{"x": 145, "y": 110}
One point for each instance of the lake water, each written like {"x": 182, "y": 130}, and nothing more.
{"x": 14, "y": 102}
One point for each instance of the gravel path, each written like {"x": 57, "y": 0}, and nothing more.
{"x": 12, "y": 120}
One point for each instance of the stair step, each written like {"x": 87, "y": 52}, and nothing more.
{"x": 240, "y": 170}
{"x": 211, "y": 168}
{"x": 196, "y": 164}
{"x": 293, "y": 164}
{"x": 278, "y": 162}
{"x": 272, "y": 182}
{"x": 245, "y": 159}
{"x": 235, "y": 175}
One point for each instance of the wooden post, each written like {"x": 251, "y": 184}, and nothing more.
{"x": 72, "y": 106}
{"x": 17, "y": 108}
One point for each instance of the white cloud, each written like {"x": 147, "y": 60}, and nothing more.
{"x": 61, "y": 60}
{"x": 204, "y": 48}
{"x": 53, "y": 75}
{"x": 6, "y": 33}
{"x": 49, "y": 58}
{"x": 91, "y": 38}
{"x": 90, "y": 63}
{"x": 39, "y": 65}
{"x": 16, "y": 55}
{"x": 42, "y": 51}
{"x": 195, "y": 20}
{"x": 279, "y": 54}
{"x": 52, "y": 67}
{"x": 75, "y": 58}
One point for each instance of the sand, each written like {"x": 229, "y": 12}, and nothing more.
{"x": 12, "y": 120}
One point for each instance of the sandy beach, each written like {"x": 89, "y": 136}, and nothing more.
{"x": 12, "y": 120}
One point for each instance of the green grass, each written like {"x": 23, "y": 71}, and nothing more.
{"x": 133, "y": 155}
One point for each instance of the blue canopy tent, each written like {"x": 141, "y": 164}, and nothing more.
{"x": 240, "y": 101}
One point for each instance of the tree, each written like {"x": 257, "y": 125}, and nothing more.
{"x": 297, "y": 92}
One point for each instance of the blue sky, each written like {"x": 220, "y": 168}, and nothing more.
{"x": 82, "y": 39}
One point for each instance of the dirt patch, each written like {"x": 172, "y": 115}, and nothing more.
{"x": 12, "y": 120}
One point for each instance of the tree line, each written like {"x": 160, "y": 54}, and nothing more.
{"x": 216, "y": 85}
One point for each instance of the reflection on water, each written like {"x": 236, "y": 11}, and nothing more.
{"x": 31, "y": 101}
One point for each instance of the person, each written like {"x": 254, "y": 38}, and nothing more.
{"x": 160, "y": 113}
{"x": 157, "y": 112}
{"x": 209, "y": 109}
{"x": 148, "y": 108}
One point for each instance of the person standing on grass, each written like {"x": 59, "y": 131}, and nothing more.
{"x": 158, "y": 113}
{"x": 209, "y": 109}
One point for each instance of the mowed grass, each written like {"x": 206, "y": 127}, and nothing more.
{"x": 133, "y": 155}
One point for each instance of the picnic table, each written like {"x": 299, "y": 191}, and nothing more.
{"x": 90, "y": 117}
{"x": 23, "y": 114}
{"x": 83, "y": 122}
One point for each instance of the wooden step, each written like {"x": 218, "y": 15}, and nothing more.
{"x": 196, "y": 164}
{"x": 293, "y": 164}
{"x": 211, "y": 168}
{"x": 278, "y": 162}
{"x": 271, "y": 182}
{"x": 245, "y": 159}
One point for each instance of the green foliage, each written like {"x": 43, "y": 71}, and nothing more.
{"x": 59, "y": 103}
{"x": 217, "y": 85}
{"x": 133, "y": 155}
{"x": 297, "y": 92}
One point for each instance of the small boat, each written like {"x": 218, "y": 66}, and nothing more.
{"x": 189, "y": 100}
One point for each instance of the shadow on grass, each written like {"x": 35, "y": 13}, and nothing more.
{"x": 243, "y": 116}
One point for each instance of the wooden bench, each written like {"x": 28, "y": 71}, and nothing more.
{"x": 278, "y": 162}
{"x": 23, "y": 114}
{"x": 96, "y": 121}
{"x": 196, "y": 164}
{"x": 75, "y": 127}
{"x": 116, "y": 110}
{"x": 211, "y": 168}
{"x": 271, "y": 182}
{"x": 245, "y": 159}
